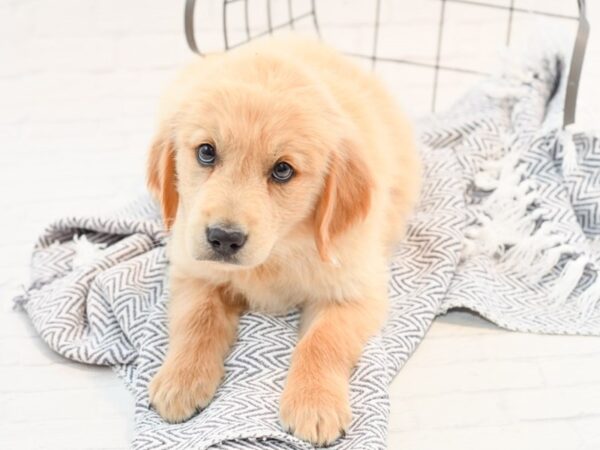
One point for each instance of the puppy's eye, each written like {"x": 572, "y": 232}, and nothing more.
{"x": 282, "y": 172}
{"x": 206, "y": 154}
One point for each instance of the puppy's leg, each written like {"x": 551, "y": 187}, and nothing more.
{"x": 202, "y": 326}
{"x": 315, "y": 403}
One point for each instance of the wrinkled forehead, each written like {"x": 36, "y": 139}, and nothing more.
{"x": 254, "y": 121}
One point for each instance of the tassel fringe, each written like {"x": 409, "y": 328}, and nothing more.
{"x": 510, "y": 228}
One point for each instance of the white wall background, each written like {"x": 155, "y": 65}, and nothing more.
{"x": 79, "y": 82}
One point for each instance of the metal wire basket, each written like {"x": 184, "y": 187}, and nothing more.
{"x": 241, "y": 23}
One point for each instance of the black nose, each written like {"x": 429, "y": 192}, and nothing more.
{"x": 225, "y": 241}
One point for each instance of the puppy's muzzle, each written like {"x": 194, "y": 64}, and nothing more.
{"x": 225, "y": 241}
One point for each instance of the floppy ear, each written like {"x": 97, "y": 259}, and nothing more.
{"x": 161, "y": 176}
{"x": 346, "y": 197}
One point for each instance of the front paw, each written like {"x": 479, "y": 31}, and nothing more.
{"x": 177, "y": 392}
{"x": 316, "y": 408}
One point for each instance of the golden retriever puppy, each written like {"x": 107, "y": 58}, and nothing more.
{"x": 285, "y": 174}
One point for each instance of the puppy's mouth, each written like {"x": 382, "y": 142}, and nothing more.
{"x": 223, "y": 259}
{"x": 205, "y": 255}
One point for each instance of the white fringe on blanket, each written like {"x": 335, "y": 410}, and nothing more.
{"x": 510, "y": 225}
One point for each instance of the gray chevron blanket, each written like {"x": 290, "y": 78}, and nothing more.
{"x": 508, "y": 226}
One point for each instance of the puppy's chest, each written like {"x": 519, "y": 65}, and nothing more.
{"x": 270, "y": 294}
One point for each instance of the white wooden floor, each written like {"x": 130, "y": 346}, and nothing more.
{"x": 79, "y": 81}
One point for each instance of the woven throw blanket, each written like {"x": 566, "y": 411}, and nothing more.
{"x": 507, "y": 226}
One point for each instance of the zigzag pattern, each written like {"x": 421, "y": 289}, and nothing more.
{"x": 113, "y": 310}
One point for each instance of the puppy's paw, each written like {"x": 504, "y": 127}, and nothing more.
{"x": 178, "y": 392}
{"x": 316, "y": 409}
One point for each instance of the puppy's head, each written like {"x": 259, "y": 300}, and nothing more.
{"x": 244, "y": 169}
